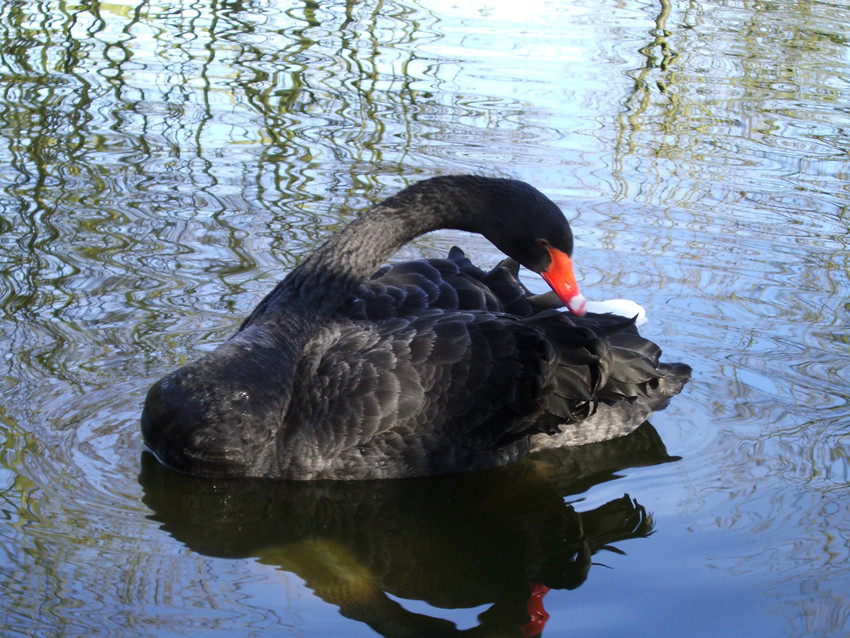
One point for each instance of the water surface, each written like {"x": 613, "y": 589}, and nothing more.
{"x": 162, "y": 165}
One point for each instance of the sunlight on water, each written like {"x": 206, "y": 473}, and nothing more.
{"x": 163, "y": 165}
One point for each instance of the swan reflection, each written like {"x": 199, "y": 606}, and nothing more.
{"x": 500, "y": 538}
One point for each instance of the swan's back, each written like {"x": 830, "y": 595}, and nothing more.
{"x": 435, "y": 366}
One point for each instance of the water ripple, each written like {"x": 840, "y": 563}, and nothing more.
{"x": 162, "y": 166}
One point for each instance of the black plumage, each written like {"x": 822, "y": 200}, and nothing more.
{"x": 427, "y": 367}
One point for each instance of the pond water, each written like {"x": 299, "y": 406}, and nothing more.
{"x": 163, "y": 164}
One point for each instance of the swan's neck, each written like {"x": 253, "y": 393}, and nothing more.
{"x": 353, "y": 255}
{"x": 322, "y": 282}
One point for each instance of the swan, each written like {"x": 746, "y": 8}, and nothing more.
{"x": 350, "y": 371}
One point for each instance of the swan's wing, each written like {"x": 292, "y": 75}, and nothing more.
{"x": 436, "y": 366}
{"x": 454, "y": 283}
{"x": 410, "y": 288}
{"x": 411, "y": 396}
{"x": 445, "y": 391}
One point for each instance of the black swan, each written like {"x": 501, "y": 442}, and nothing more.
{"x": 426, "y": 367}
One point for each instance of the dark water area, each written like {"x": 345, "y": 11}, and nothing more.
{"x": 162, "y": 166}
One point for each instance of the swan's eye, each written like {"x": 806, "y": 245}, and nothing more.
{"x": 543, "y": 242}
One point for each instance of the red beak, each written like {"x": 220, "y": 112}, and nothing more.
{"x": 562, "y": 280}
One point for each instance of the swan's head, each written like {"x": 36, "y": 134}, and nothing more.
{"x": 552, "y": 262}
{"x": 530, "y": 228}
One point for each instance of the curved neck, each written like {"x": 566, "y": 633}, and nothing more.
{"x": 321, "y": 283}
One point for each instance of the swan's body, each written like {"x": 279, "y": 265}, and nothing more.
{"x": 427, "y": 367}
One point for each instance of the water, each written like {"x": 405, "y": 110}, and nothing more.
{"x": 163, "y": 165}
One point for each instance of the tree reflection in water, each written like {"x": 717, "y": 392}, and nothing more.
{"x": 501, "y": 538}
